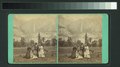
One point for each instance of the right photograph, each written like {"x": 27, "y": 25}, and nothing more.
{"x": 80, "y": 38}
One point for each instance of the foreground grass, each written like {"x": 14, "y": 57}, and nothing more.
{"x": 19, "y": 54}
{"x": 65, "y": 52}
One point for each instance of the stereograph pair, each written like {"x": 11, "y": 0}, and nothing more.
{"x": 58, "y": 38}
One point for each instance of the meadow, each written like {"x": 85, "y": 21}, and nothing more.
{"x": 95, "y": 52}
{"x": 19, "y": 53}
{"x": 63, "y": 56}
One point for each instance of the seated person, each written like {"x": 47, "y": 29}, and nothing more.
{"x": 29, "y": 54}
{"x": 73, "y": 54}
{"x": 79, "y": 54}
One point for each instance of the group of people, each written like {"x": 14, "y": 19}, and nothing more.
{"x": 81, "y": 52}
{"x": 35, "y": 51}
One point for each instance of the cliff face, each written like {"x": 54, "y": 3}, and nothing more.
{"x": 78, "y": 25}
{"x": 29, "y": 26}
{"x": 75, "y": 26}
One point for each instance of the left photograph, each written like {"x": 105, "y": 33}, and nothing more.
{"x": 34, "y": 38}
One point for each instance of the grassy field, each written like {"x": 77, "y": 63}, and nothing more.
{"x": 19, "y": 53}
{"x": 65, "y": 52}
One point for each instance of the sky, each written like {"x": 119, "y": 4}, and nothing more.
{"x": 29, "y": 25}
{"x": 78, "y": 25}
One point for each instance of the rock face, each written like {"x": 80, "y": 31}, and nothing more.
{"x": 29, "y": 25}
{"x": 76, "y": 26}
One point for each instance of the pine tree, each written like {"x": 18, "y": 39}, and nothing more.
{"x": 39, "y": 40}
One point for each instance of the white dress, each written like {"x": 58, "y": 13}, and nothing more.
{"x": 32, "y": 56}
{"x": 41, "y": 52}
{"x": 87, "y": 52}
{"x": 78, "y": 56}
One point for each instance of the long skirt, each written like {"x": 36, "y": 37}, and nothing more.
{"x": 41, "y": 53}
{"x": 87, "y": 54}
{"x": 30, "y": 55}
{"x": 78, "y": 55}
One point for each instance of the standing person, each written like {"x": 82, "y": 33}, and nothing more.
{"x": 82, "y": 49}
{"x": 87, "y": 52}
{"x": 79, "y": 53}
{"x": 35, "y": 49}
{"x": 41, "y": 52}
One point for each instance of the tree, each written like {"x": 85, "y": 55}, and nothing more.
{"x": 39, "y": 40}
{"x": 100, "y": 42}
{"x": 32, "y": 42}
{"x": 22, "y": 41}
{"x": 86, "y": 41}
{"x": 78, "y": 42}
{"x": 54, "y": 41}
{"x": 70, "y": 42}
{"x": 16, "y": 44}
